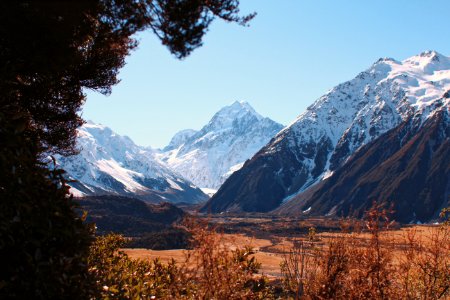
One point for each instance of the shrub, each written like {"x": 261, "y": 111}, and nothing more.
{"x": 210, "y": 271}
{"x": 213, "y": 271}
{"x": 424, "y": 266}
{"x": 170, "y": 238}
{"x": 346, "y": 267}
{"x": 298, "y": 269}
{"x": 119, "y": 277}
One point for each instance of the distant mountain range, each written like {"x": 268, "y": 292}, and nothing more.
{"x": 209, "y": 156}
{"x": 383, "y": 135}
{"x": 110, "y": 164}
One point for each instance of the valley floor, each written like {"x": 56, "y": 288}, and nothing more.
{"x": 272, "y": 238}
{"x": 270, "y": 260}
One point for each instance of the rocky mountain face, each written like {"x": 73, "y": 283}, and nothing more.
{"x": 110, "y": 164}
{"x": 322, "y": 139}
{"x": 408, "y": 167}
{"x": 209, "y": 156}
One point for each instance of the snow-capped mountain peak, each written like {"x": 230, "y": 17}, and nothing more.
{"x": 228, "y": 116}
{"x": 233, "y": 135}
{"x": 335, "y": 126}
{"x": 179, "y": 139}
{"x": 429, "y": 62}
{"x": 109, "y": 163}
{"x": 237, "y": 109}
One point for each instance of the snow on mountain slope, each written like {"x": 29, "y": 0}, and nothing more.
{"x": 323, "y": 137}
{"x": 409, "y": 166}
{"x": 112, "y": 164}
{"x": 209, "y": 156}
{"x": 179, "y": 139}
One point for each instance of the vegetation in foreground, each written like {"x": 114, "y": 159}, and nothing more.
{"x": 344, "y": 266}
{"x": 381, "y": 266}
{"x": 44, "y": 244}
{"x": 51, "y": 52}
{"x": 210, "y": 271}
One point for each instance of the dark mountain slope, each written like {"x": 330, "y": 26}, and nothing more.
{"x": 333, "y": 128}
{"x": 254, "y": 187}
{"x": 129, "y": 216}
{"x": 408, "y": 167}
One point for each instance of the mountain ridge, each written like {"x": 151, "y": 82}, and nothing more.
{"x": 334, "y": 127}
{"x": 208, "y": 156}
{"x": 110, "y": 164}
{"x": 408, "y": 167}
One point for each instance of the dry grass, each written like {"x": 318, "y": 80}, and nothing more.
{"x": 270, "y": 261}
{"x": 216, "y": 268}
{"x": 270, "y": 253}
{"x": 366, "y": 260}
{"x": 412, "y": 263}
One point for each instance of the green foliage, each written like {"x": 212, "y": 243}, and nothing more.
{"x": 208, "y": 272}
{"x": 43, "y": 243}
{"x": 119, "y": 277}
{"x": 52, "y": 50}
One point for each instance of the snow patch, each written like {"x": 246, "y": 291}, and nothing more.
{"x": 76, "y": 193}
{"x": 327, "y": 174}
{"x": 125, "y": 176}
{"x": 208, "y": 191}
{"x": 234, "y": 168}
{"x": 174, "y": 185}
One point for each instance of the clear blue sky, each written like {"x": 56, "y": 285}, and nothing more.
{"x": 292, "y": 53}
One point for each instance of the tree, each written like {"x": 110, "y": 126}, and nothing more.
{"x": 43, "y": 242}
{"x": 50, "y": 51}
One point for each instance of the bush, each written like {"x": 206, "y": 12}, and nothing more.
{"x": 213, "y": 271}
{"x": 119, "y": 277}
{"x": 210, "y": 271}
{"x": 171, "y": 238}
{"x": 345, "y": 267}
{"x": 424, "y": 266}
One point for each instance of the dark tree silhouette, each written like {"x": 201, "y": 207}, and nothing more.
{"x": 50, "y": 51}
{"x": 43, "y": 243}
